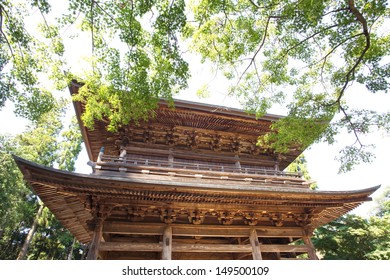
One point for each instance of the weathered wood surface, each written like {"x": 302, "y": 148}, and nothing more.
{"x": 277, "y": 209}
{"x": 202, "y": 248}
{"x": 199, "y": 230}
{"x": 212, "y": 171}
{"x": 96, "y": 240}
{"x": 167, "y": 243}
{"x": 255, "y": 245}
{"x": 311, "y": 251}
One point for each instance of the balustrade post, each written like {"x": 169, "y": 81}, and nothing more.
{"x": 101, "y": 154}
{"x": 170, "y": 160}
{"x": 122, "y": 153}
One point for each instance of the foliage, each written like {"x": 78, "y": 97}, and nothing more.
{"x": 41, "y": 143}
{"x": 383, "y": 203}
{"x": 25, "y": 59}
{"x": 303, "y": 55}
{"x": 52, "y": 241}
{"x": 17, "y": 207}
{"x": 299, "y": 165}
{"x": 355, "y": 238}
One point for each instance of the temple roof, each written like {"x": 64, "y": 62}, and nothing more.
{"x": 188, "y": 126}
{"x": 66, "y": 194}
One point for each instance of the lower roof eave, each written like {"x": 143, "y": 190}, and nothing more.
{"x": 70, "y": 210}
{"x": 32, "y": 170}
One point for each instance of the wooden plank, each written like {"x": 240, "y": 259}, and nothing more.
{"x": 140, "y": 247}
{"x": 176, "y": 247}
{"x": 199, "y": 248}
{"x": 133, "y": 228}
{"x": 279, "y": 248}
{"x": 208, "y": 248}
{"x": 199, "y": 230}
{"x": 190, "y": 169}
{"x": 254, "y": 241}
{"x": 167, "y": 244}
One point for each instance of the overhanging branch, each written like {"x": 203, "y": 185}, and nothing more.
{"x": 363, "y": 21}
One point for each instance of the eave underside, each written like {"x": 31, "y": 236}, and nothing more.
{"x": 128, "y": 202}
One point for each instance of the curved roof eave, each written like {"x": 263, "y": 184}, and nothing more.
{"x": 27, "y": 167}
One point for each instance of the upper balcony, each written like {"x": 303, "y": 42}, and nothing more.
{"x": 229, "y": 172}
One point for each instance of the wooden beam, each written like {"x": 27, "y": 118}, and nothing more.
{"x": 200, "y": 248}
{"x": 200, "y": 230}
{"x": 311, "y": 251}
{"x": 211, "y": 248}
{"x": 167, "y": 243}
{"x": 95, "y": 243}
{"x": 254, "y": 241}
{"x": 140, "y": 247}
{"x": 279, "y": 248}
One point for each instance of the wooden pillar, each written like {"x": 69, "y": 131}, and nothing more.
{"x": 254, "y": 240}
{"x": 292, "y": 254}
{"x": 167, "y": 244}
{"x": 97, "y": 236}
{"x": 311, "y": 251}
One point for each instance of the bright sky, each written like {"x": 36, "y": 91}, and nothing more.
{"x": 321, "y": 158}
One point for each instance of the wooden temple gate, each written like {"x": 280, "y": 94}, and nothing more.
{"x": 190, "y": 183}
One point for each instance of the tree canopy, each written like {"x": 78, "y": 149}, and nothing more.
{"x": 48, "y": 142}
{"x": 352, "y": 237}
{"x": 303, "y": 55}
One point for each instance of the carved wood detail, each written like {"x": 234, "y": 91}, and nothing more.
{"x": 186, "y": 137}
{"x": 195, "y": 216}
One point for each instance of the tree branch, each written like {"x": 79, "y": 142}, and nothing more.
{"x": 335, "y": 11}
{"x": 254, "y": 4}
{"x": 258, "y": 50}
{"x": 263, "y": 7}
{"x": 92, "y": 35}
{"x": 310, "y": 37}
{"x": 333, "y": 49}
{"x": 108, "y": 14}
{"x": 353, "y": 126}
{"x": 2, "y": 32}
{"x": 362, "y": 20}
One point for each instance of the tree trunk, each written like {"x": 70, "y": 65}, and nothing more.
{"x": 70, "y": 255}
{"x": 23, "y": 252}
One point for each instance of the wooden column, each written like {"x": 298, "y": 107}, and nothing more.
{"x": 97, "y": 236}
{"x": 294, "y": 255}
{"x": 254, "y": 240}
{"x": 311, "y": 251}
{"x": 167, "y": 244}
